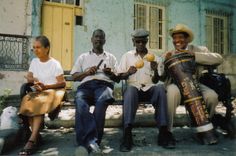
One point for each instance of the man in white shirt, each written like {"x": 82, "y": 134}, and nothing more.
{"x": 141, "y": 86}
{"x": 95, "y": 70}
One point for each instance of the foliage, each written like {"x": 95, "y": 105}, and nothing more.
{"x": 3, "y": 98}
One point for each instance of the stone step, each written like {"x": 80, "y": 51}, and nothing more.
{"x": 144, "y": 117}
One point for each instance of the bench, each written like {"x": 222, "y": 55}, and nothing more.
{"x": 118, "y": 91}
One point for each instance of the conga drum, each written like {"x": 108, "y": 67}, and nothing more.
{"x": 181, "y": 67}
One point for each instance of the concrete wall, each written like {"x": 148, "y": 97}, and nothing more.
{"x": 15, "y": 17}
{"x": 115, "y": 17}
{"x": 192, "y": 13}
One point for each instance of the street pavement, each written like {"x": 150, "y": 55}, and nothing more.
{"x": 62, "y": 142}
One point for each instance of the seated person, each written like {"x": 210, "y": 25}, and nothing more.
{"x": 142, "y": 86}
{"x": 182, "y": 36}
{"x": 47, "y": 83}
{"x": 95, "y": 71}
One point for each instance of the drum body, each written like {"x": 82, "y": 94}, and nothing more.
{"x": 181, "y": 67}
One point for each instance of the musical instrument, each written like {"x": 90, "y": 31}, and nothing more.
{"x": 181, "y": 67}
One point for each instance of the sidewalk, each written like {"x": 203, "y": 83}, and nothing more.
{"x": 62, "y": 142}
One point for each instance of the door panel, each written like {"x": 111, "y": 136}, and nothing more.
{"x": 57, "y": 25}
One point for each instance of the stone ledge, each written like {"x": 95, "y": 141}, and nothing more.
{"x": 142, "y": 120}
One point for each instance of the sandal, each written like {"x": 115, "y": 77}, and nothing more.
{"x": 28, "y": 151}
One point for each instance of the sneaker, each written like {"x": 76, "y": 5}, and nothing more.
{"x": 81, "y": 151}
{"x": 166, "y": 140}
{"x": 94, "y": 147}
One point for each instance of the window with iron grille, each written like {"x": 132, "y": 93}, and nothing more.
{"x": 151, "y": 18}
{"x": 217, "y": 32}
{"x": 14, "y": 52}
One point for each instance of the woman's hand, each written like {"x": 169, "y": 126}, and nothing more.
{"x": 39, "y": 86}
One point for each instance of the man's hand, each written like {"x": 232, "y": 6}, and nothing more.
{"x": 132, "y": 70}
{"x": 92, "y": 70}
{"x": 107, "y": 71}
{"x": 153, "y": 65}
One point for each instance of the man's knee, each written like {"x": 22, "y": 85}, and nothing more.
{"x": 173, "y": 91}
{"x": 159, "y": 89}
{"x": 211, "y": 98}
{"x": 106, "y": 96}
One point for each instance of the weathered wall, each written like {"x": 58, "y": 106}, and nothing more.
{"x": 11, "y": 80}
{"x": 15, "y": 17}
{"x": 115, "y": 17}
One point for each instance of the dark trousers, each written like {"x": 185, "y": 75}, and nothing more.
{"x": 89, "y": 126}
{"x": 156, "y": 95}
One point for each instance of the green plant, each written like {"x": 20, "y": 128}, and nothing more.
{"x": 3, "y": 98}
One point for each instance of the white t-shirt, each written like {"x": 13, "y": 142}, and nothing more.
{"x": 142, "y": 79}
{"x": 46, "y": 72}
{"x": 89, "y": 59}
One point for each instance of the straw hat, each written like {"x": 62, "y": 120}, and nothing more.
{"x": 182, "y": 28}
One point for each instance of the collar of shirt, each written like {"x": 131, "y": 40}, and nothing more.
{"x": 93, "y": 53}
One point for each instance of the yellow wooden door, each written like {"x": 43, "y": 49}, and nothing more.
{"x": 58, "y": 25}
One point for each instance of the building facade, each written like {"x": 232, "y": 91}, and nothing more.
{"x": 69, "y": 25}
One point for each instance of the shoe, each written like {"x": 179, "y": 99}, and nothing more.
{"x": 166, "y": 140}
{"x": 93, "y": 146}
{"x": 81, "y": 151}
{"x": 127, "y": 142}
{"x": 29, "y": 150}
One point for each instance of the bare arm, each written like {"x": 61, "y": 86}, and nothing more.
{"x": 30, "y": 78}
{"x": 81, "y": 75}
{"x": 60, "y": 83}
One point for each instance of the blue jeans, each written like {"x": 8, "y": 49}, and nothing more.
{"x": 156, "y": 95}
{"x": 89, "y": 126}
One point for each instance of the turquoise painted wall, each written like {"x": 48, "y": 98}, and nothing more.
{"x": 185, "y": 12}
{"x": 192, "y": 13}
{"x": 36, "y": 17}
{"x": 115, "y": 17}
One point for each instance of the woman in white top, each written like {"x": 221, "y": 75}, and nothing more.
{"x": 47, "y": 90}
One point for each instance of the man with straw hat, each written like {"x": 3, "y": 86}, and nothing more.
{"x": 181, "y": 37}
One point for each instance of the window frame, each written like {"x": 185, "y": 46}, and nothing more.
{"x": 225, "y": 42}
{"x": 148, "y": 7}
